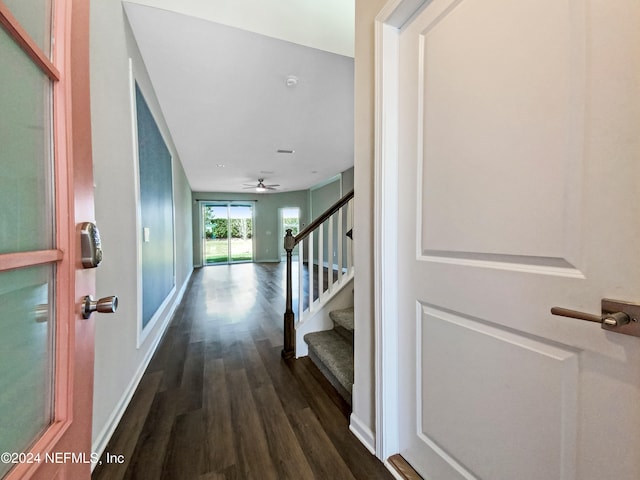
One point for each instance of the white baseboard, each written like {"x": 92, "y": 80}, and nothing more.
{"x": 367, "y": 438}
{"x": 103, "y": 438}
{"x": 363, "y": 433}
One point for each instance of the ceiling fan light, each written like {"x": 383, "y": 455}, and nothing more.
{"x": 261, "y": 189}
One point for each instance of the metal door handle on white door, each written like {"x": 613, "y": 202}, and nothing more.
{"x": 104, "y": 305}
{"x": 612, "y": 319}
{"x": 617, "y": 316}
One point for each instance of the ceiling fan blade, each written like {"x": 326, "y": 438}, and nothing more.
{"x": 259, "y": 186}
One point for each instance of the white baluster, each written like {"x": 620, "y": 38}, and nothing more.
{"x": 330, "y": 254}
{"x": 340, "y": 238}
{"x": 349, "y": 243}
{"x": 300, "y": 280}
{"x": 310, "y": 265}
{"x": 320, "y": 260}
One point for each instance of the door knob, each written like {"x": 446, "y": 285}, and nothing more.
{"x": 104, "y": 305}
{"x": 617, "y": 316}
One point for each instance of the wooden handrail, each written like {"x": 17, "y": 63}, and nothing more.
{"x": 290, "y": 241}
{"x": 304, "y": 233}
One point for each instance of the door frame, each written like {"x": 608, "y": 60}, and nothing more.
{"x": 388, "y": 26}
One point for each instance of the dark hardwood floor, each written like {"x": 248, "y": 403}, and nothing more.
{"x": 218, "y": 402}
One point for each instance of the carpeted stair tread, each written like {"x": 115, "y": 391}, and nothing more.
{"x": 343, "y": 317}
{"x": 333, "y": 354}
{"x": 343, "y": 321}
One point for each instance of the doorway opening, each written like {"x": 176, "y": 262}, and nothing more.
{"x": 228, "y": 233}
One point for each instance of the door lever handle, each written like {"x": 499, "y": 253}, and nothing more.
{"x": 617, "y": 316}
{"x": 615, "y": 319}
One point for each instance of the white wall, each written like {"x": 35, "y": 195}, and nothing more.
{"x": 363, "y": 416}
{"x": 119, "y": 362}
{"x": 323, "y": 195}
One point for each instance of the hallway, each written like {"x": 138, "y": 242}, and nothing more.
{"x": 217, "y": 402}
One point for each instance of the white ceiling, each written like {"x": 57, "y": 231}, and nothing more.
{"x": 223, "y": 87}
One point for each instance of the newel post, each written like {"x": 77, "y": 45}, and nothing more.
{"x": 289, "y": 348}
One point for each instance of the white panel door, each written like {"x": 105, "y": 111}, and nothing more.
{"x": 518, "y": 173}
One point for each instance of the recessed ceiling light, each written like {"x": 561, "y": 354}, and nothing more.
{"x": 282, "y": 150}
{"x": 220, "y": 165}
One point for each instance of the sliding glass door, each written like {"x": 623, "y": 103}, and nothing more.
{"x": 228, "y": 233}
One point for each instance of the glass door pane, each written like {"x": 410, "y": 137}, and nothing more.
{"x": 216, "y": 234}
{"x": 290, "y": 221}
{"x": 241, "y": 233}
{"x": 25, "y": 154}
{"x": 35, "y": 18}
{"x": 27, "y": 355}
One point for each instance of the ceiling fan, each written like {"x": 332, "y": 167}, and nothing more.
{"x": 260, "y": 187}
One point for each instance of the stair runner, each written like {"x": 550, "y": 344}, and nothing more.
{"x": 332, "y": 351}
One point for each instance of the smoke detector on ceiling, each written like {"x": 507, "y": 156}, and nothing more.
{"x": 292, "y": 81}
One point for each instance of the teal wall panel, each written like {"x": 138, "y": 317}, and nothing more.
{"x": 156, "y": 204}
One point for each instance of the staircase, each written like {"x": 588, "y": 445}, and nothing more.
{"x": 328, "y": 254}
{"x": 326, "y": 298}
{"x": 332, "y": 351}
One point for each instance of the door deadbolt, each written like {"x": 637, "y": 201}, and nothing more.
{"x": 90, "y": 245}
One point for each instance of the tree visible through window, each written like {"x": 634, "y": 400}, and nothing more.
{"x": 291, "y": 220}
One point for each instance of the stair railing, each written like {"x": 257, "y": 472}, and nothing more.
{"x": 338, "y": 219}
